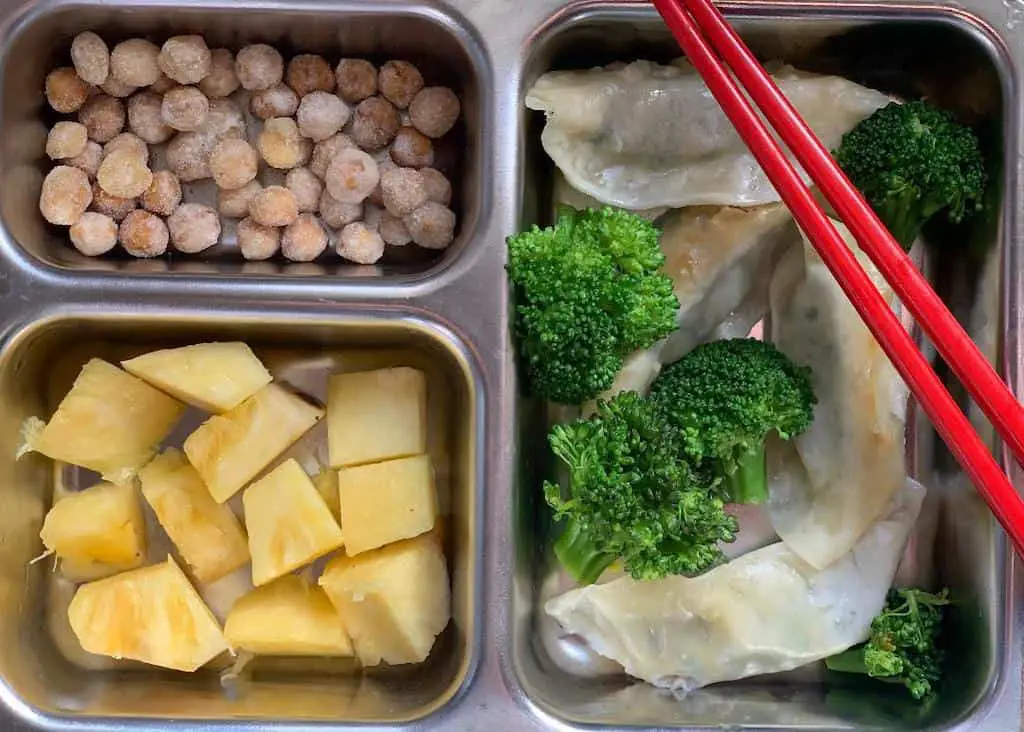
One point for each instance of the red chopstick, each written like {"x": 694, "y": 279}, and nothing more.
{"x": 949, "y": 338}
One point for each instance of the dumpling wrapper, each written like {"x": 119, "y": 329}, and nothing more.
{"x": 831, "y": 482}
{"x": 765, "y": 612}
{"x": 642, "y": 135}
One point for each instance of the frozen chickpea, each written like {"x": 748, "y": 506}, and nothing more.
{"x": 402, "y": 191}
{"x": 351, "y": 176}
{"x": 337, "y": 214}
{"x": 399, "y": 82}
{"x": 91, "y": 58}
{"x": 116, "y": 88}
{"x": 356, "y": 79}
{"x": 321, "y": 114}
{"x": 188, "y": 156}
{"x": 233, "y": 163}
{"x": 193, "y": 227}
{"x": 434, "y": 111}
{"x": 384, "y": 164}
{"x": 162, "y": 85}
{"x": 256, "y": 241}
{"x": 324, "y": 152}
{"x": 372, "y": 216}
{"x": 163, "y": 194}
{"x": 131, "y": 143}
{"x": 274, "y": 206}
{"x": 308, "y": 73}
{"x": 185, "y": 108}
{"x": 94, "y": 234}
{"x": 235, "y": 203}
{"x": 277, "y": 101}
{"x": 225, "y": 119}
{"x": 66, "y": 140}
{"x": 113, "y": 206}
{"x": 65, "y": 195}
{"x": 123, "y": 173}
{"x": 281, "y": 145}
{"x": 412, "y": 149}
{"x": 360, "y": 244}
{"x": 145, "y": 118}
{"x": 259, "y": 67}
{"x": 134, "y": 62}
{"x": 222, "y": 80}
{"x": 306, "y": 187}
{"x": 304, "y": 239}
{"x": 65, "y": 90}
{"x": 393, "y": 230}
{"x": 374, "y": 123}
{"x": 143, "y": 234}
{"x": 88, "y": 161}
{"x": 432, "y": 225}
{"x": 439, "y": 189}
{"x": 186, "y": 59}
{"x": 103, "y": 117}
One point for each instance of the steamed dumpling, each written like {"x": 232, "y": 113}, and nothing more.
{"x": 642, "y": 135}
{"x": 765, "y": 612}
{"x": 831, "y": 482}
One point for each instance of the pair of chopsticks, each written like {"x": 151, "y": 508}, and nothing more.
{"x": 708, "y": 40}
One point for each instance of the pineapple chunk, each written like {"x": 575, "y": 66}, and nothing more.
{"x": 386, "y": 502}
{"x": 110, "y": 422}
{"x": 206, "y": 533}
{"x": 231, "y": 449}
{"x": 288, "y": 522}
{"x": 97, "y": 531}
{"x": 376, "y": 415}
{"x": 215, "y": 377}
{"x": 288, "y": 617}
{"x": 326, "y": 482}
{"x": 152, "y": 614}
{"x": 395, "y": 600}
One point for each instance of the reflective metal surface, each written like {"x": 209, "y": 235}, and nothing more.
{"x": 491, "y": 671}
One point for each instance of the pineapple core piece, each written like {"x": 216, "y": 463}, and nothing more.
{"x": 152, "y": 614}
{"x": 215, "y": 377}
{"x": 110, "y": 422}
{"x": 395, "y": 600}
{"x": 393, "y": 401}
{"x": 97, "y": 531}
{"x": 386, "y": 502}
{"x": 206, "y": 533}
{"x": 288, "y": 617}
{"x": 288, "y": 522}
{"x": 231, "y": 449}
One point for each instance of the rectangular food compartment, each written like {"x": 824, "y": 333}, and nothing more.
{"x": 46, "y": 678}
{"x": 440, "y": 43}
{"x": 934, "y": 55}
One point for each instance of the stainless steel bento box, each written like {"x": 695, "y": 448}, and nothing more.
{"x": 498, "y": 666}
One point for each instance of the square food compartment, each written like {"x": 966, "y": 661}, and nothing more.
{"x": 439, "y": 42}
{"x": 957, "y": 65}
{"x": 45, "y": 676}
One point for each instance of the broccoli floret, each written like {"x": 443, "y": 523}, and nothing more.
{"x": 904, "y": 643}
{"x": 588, "y": 294}
{"x": 633, "y": 496}
{"x": 726, "y": 397}
{"x": 912, "y": 161}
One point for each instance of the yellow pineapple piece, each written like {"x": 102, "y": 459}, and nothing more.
{"x": 152, "y": 614}
{"x": 288, "y": 617}
{"x": 376, "y": 415}
{"x": 326, "y": 482}
{"x": 288, "y": 522}
{"x": 395, "y": 600}
{"x": 212, "y": 376}
{"x": 231, "y": 449}
{"x": 110, "y": 422}
{"x": 96, "y": 531}
{"x": 206, "y": 533}
{"x": 386, "y": 502}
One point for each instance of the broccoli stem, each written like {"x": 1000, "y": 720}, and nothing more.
{"x": 850, "y": 661}
{"x": 579, "y": 556}
{"x": 749, "y": 482}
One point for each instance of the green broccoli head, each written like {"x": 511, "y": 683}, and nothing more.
{"x": 588, "y": 293}
{"x": 904, "y": 643}
{"x": 912, "y": 161}
{"x": 726, "y": 397}
{"x": 633, "y": 496}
